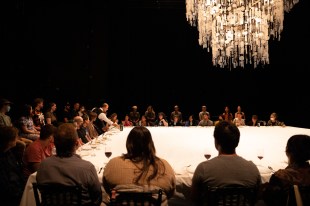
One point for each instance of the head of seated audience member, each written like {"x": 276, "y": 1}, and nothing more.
{"x": 140, "y": 147}
{"x": 47, "y": 133}
{"x": 275, "y": 191}
{"x": 9, "y": 135}
{"x": 12, "y": 180}
{"x": 78, "y": 121}
{"x": 226, "y": 136}
{"x": 66, "y": 140}
{"x": 40, "y": 149}
{"x": 298, "y": 150}
{"x": 141, "y": 166}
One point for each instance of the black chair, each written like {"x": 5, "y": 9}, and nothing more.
{"x": 230, "y": 196}
{"x": 304, "y": 194}
{"x": 57, "y": 195}
{"x": 129, "y": 198}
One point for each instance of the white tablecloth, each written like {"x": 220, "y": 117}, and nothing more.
{"x": 184, "y": 148}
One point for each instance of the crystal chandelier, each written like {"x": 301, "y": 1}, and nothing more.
{"x": 238, "y": 31}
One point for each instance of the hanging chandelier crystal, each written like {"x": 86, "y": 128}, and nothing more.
{"x": 238, "y": 31}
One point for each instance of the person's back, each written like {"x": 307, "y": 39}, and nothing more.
{"x": 227, "y": 168}
{"x": 12, "y": 181}
{"x": 68, "y": 168}
{"x": 297, "y": 172}
{"x": 39, "y": 150}
{"x": 140, "y": 169}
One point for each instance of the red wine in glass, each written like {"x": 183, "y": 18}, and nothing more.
{"x": 108, "y": 154}
{"x": 207, "y": 156}
{"x": 260, "y": 157}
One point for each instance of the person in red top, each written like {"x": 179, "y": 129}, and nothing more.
{"x": 39, "y": 150}
{"x": 126, "y": 122}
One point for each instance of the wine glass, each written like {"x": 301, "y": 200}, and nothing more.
{"x": 108, "y": 151}
{"x": 260, "y": 154}
{"x": 207, "y": 154}
{"x": 93, "y": 146}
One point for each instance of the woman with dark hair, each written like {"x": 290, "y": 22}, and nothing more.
{"x": 297, "y": 172}
{"x": 273, "y": 121}
{"x": 50, "y": 114}
{"x": 140, "y": 169}
{"x": 161, "y": 120}
{"x": 26, "y": 125}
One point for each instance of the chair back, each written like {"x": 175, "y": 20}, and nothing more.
{"x": 57, "y": 195}
{"x": 231, "y": 196}
{"x": 299, "y": 196}
{"x": 130, "y": 198}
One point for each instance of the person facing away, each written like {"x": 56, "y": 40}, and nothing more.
{"x": 67, "y": 168}
{"x": 140, "y": 169}
{"x": 39, "y": 150}
{"x": 228, "y": 168}
{"x": 297, "y": 172}
{"x": 12, "y": 181}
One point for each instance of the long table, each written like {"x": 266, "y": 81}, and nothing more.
{"x": 184, "y": 149}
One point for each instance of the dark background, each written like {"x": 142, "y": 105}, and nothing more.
{"x": 144, "y": 52}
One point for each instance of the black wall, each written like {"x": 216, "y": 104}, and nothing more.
{"x": 127, "y": 53}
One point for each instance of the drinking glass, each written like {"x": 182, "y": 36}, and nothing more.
{"x": 207, "y": 154}
{"x": 108, "y": 152}
{"x": 260, "y": 155}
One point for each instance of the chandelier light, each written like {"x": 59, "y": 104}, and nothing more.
{"x": 238, "y": 31}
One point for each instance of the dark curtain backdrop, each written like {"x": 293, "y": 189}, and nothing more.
{"x": 144, "y": 52}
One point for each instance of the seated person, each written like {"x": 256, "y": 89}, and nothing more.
{"x": 254, "y": 121}
{"x": 66, "y": 167}
{"x": 126, "y": 121}
{"x": 297, "y": 172}
{"x": 191, "y": 121}
{"x": 12, "y": 180}
{"x": 205, "y": 121}
{"x": 227, "y": 168}
{"x": 219, "y": 119}
{"x": 39, "y": 150}
{"x": 176, "y": 121}
{"x": 238, "y": 121}
{"x": 161, "y": 120}
{"x": 273, "y": 121}
{"x": 82, "y": 128}
{"x": 27, "y": 129}
{"x": 140, "y": 168}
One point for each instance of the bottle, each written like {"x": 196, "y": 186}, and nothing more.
{"x": 121, "y": 126}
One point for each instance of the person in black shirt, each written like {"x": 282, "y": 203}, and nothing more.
{"x": 12, "y": 181}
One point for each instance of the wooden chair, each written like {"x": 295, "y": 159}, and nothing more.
{"x": 304, "y": 199}
{"x": 231, "y": 196}
{"x": 127, "y": 198}
{"x": 57, "y": 195}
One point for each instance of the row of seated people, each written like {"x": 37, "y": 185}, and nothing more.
{"x": 140, "y": 168}
{"x": 205, "y": 121}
